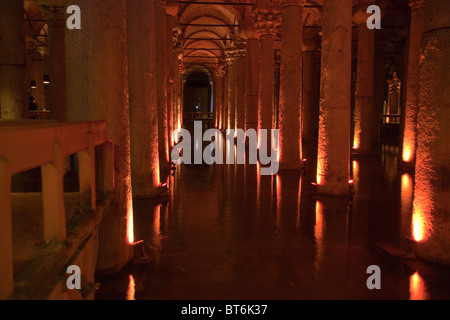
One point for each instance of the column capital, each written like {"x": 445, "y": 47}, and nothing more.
{"x": 415, "y": 4}
{"x": 360, "y": 14}
{"x": 53, "y": 10}
{"x": 268, "y": 20}
{"x": 220, "y": 71}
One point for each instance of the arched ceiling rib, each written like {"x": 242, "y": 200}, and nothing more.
{"x": 207, "y": 31}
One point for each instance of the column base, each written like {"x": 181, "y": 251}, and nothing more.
{"x": 333, "y": 191}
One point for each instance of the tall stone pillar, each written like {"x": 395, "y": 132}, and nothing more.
{"x": 143, "y": 98}
{"x": 225, "y": 99}
{"x": 54, "y": 11}
{"x": 412, "y": 82}
{"x": 431, "y": 208}
{"x": 240, "y": 90}
{"x": 97, "y": 89}
{"x": 37, "y": 75}
{"x": 219, "y": 102}
{"x": 268, "y": 23}
{"x": 170, "y": 22}
{"x": 291, "y": 84}
{"x": 333, "y": 159}
{"x": 309, "y": 110}
{"x": 231, "y": 110}
{"x": 161, "y": 85}
{"x": 365, "y": 115}
{"x": 13, "y": 86}
{"x": 252, "y": 82}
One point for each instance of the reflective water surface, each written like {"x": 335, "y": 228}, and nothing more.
{"x": 226, "y": 232}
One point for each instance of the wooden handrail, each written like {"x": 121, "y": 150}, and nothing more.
{"x": 28, "y": 146}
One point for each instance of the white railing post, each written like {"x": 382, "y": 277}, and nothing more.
{"x": 6, "y": 243}
{"x": 53, "y": 197}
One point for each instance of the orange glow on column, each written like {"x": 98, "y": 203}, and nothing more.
{"x": 130, "y": 223}
{"x": 322, "y": 159}
{"x": 407, "y": 154}
{"x": 357, "y": 138}
{"x": 417, "y": 288}
{"x": 409, "y": 143}
{"x": 423, "y": 208}
{"x": 418, "y": 228}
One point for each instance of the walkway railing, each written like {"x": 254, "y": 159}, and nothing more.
{"x": 26, "y": 145}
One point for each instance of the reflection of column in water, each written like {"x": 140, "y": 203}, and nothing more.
{"x": 417, "y": 288}
{"x": 156, "y": 232}
{"x": 331, "y": 227}
{"x": 318, "y": 235}
{"x": 258, "y": 187}
{"x": 278, "y": 201}
{"x": 299, "y": 197}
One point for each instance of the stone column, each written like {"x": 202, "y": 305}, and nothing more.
{"x": 225, "y": 100}
{"x": 252, "y": 83}
{"x": 13, "y": 86}
{"x": 309, "y": 110}
{"x": 218, "y": 87}
{"x": 291, "y": 84}
{"x": 430, "y": 222}
{"x": 143, "y": 100}
{"x": 54, "y": 11}
{"x": 240, "y": 90}
{"x": 267, "y": 23}
{"x": 231, "y": 110}
{"x": 170, "y": 22}
{"x": 365, "y": 116}
{"x": 161, "y": 85}
{"x": 333, "y": 160}
{"x": 412, "y": 82}
{"x": 37, "y": 74}
{"x": 97, "y": 89}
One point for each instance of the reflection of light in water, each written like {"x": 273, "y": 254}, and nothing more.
{"x": 355, "y": 167}
{"x": 318, "y": 234}
{"x": 157, "y": 227}
{"x": 258, "y": 182}
{"x": 278, "y": 187}
{"x": 299, "y": 196}
{"x": 417, "y": 288}
{"x": 131, "y": 288}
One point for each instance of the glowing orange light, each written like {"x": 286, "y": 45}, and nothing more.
{"x": 417, "y": 288}
{"x": 131, "y": 288}
{"x": 355, "y": 144}
{"x": 407, "y": 154}
{"x": 418, "y": 228}
{"x": 130, "y": 225}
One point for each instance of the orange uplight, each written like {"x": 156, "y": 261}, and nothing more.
{"x": 130, "y": 224}
{"x": 418, "y": 228}
{"x": 407, "y": 154}
{"x": 417, "y": 288}
{"x": 356, "y": 142}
